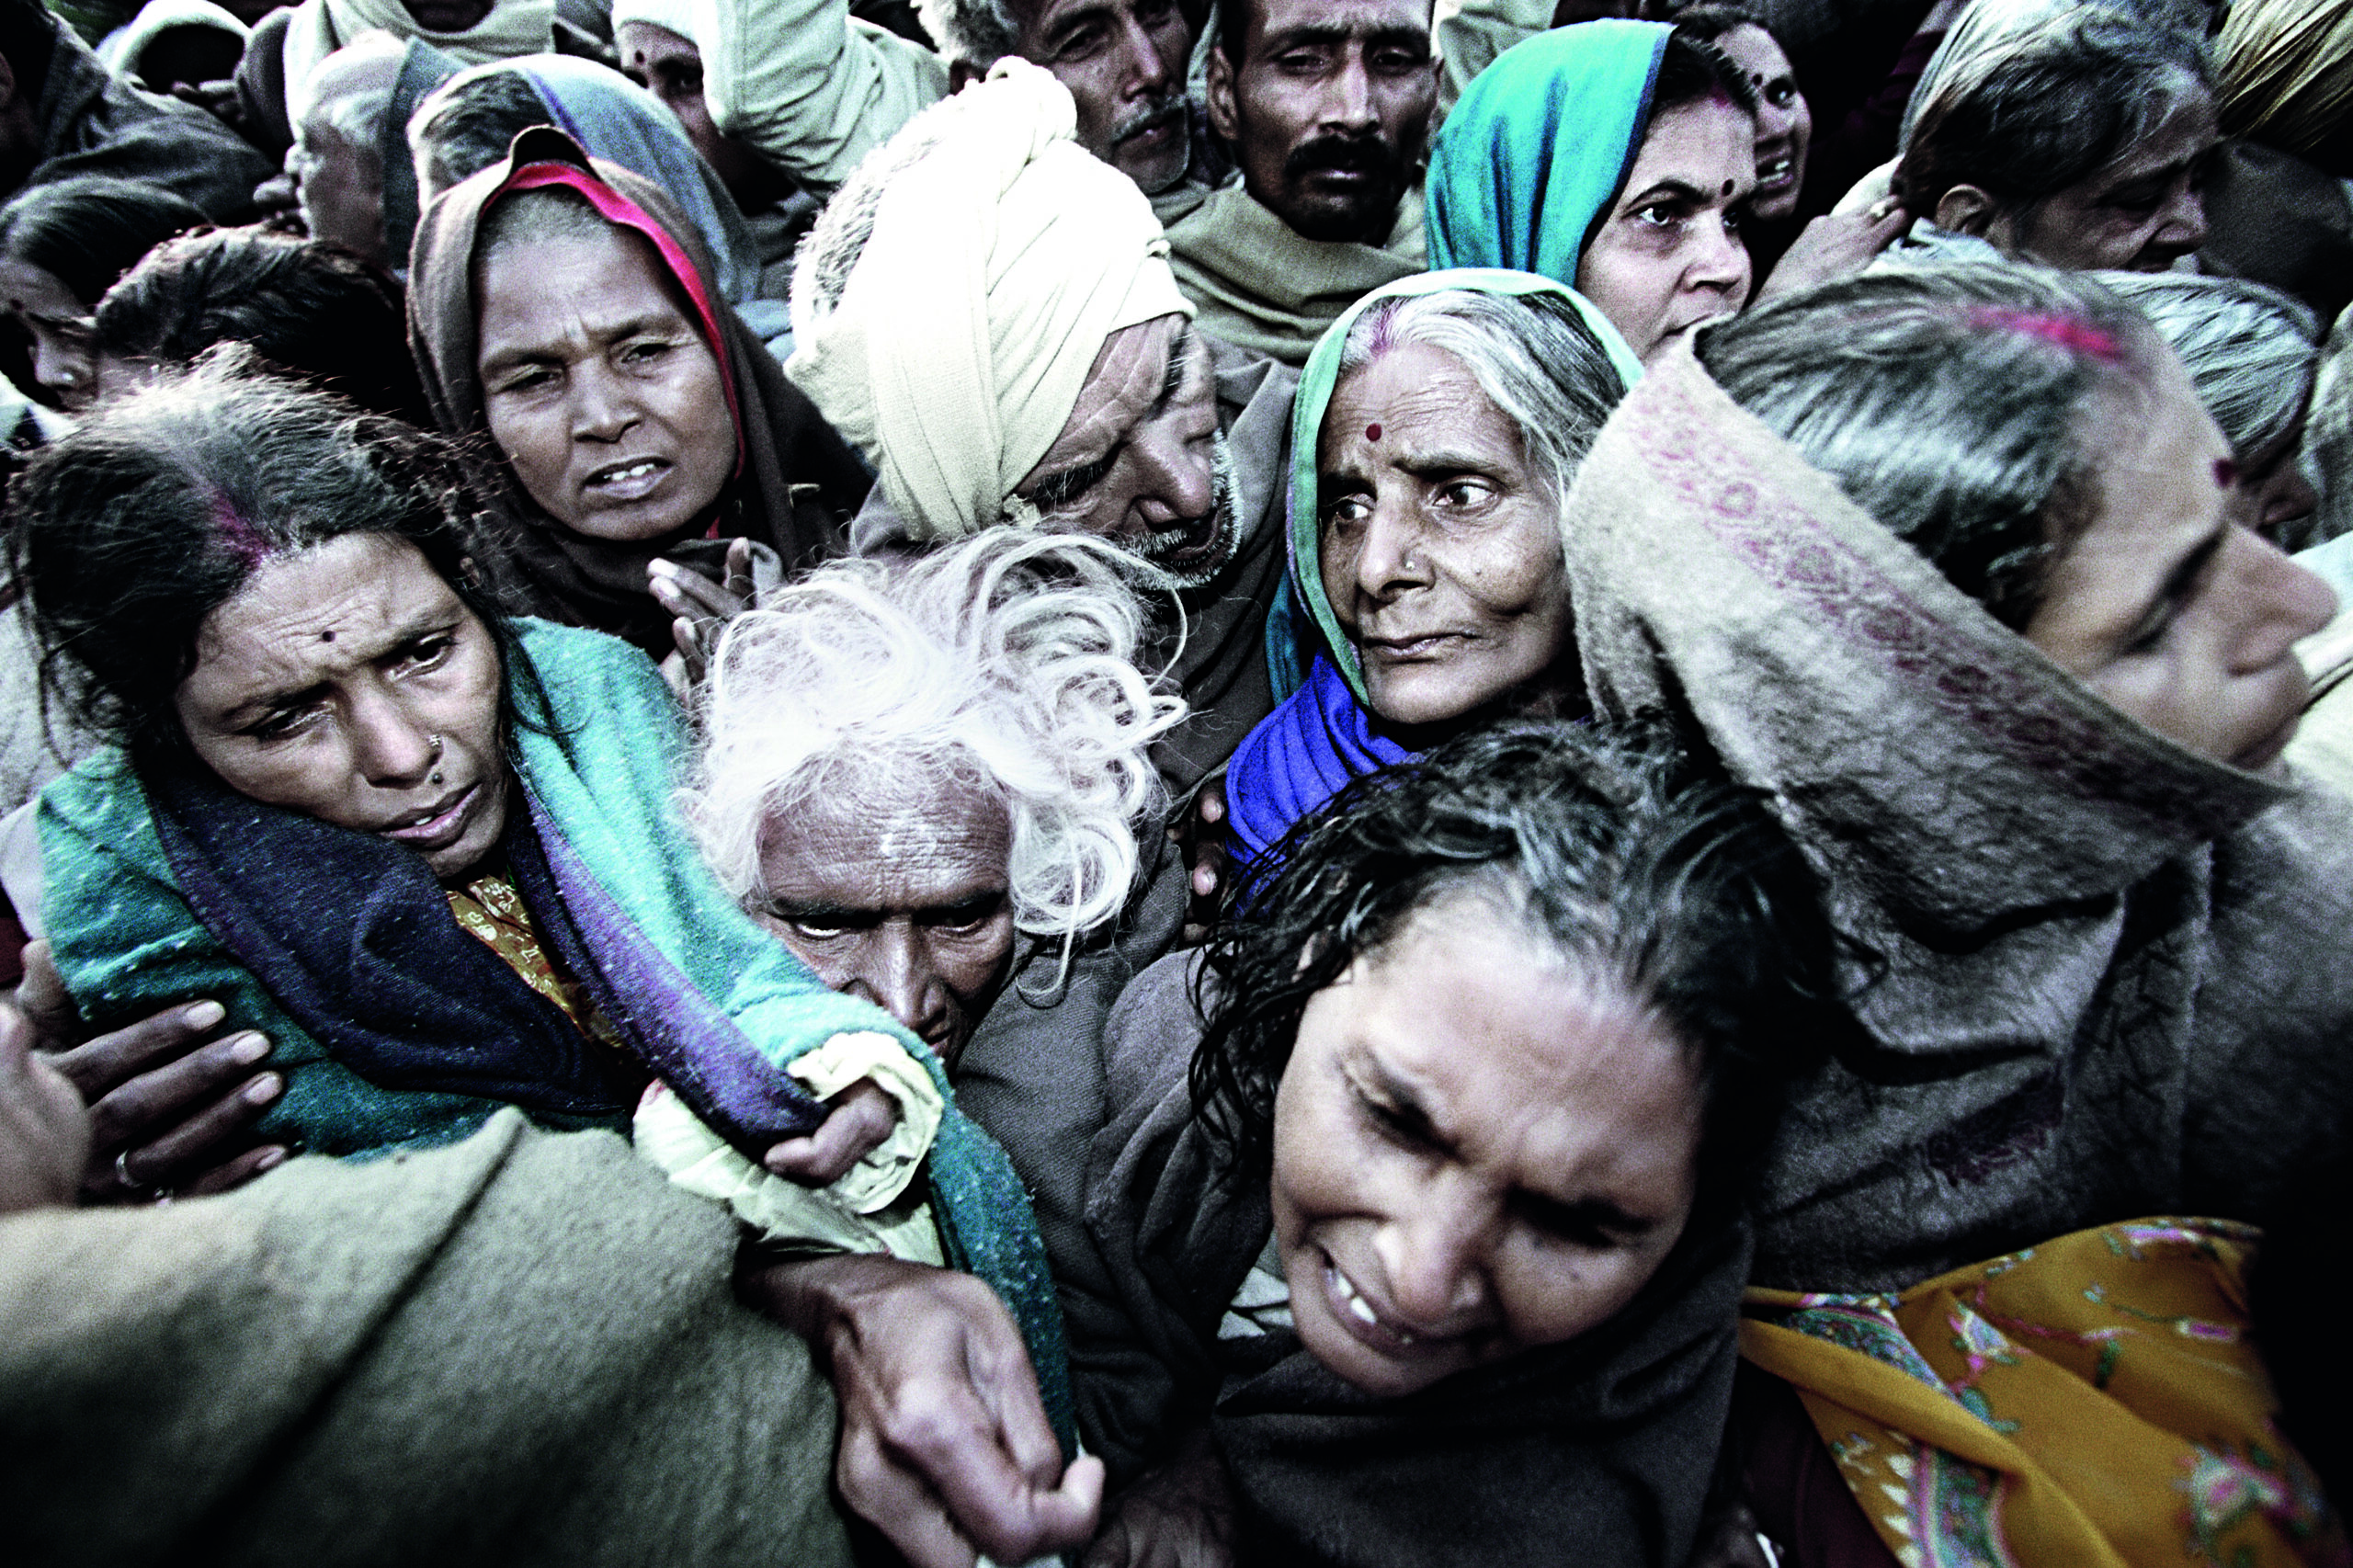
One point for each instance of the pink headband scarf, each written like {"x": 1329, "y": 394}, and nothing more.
{"x": 237, "y": 532}
{"x": 619, "y": 211}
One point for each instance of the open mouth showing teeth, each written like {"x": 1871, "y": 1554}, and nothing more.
{"x": 624, "y": 473}
{"x": 1361, "y": 1310}
{"x": 1775, "y": 172}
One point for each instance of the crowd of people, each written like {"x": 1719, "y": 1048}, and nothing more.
{"x": 1165, "y": 784}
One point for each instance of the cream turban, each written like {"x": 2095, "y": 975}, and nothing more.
{"x": 1002, "y": 256}
{"x": 674, "y": 16}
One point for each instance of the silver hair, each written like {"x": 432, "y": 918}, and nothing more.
{"x": 1948, "y": 401}
{"x": 2027, "y": 98}
{"x": 976, "y": 32}
{"x": 1006, "y": 661}
{"x": 2252, "y": 351}
{"x": 2328, "y": 435}
{"x": 1532, "y": 355}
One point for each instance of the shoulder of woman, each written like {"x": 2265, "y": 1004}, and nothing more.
{"x": 1149, "y": 1038}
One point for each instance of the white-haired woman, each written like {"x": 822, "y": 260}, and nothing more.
{"x": 907, "y": 767}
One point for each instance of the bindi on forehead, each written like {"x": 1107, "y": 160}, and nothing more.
{"x": 1372, "y": 432}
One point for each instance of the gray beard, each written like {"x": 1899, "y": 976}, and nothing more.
{"x": 1223, "y": 546}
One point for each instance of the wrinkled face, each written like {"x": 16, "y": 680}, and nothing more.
{"x": 600, "y": 392}
{"x": 339, "y": 187}
{"x": 65, "y": 334}
{"x": 1669, "y": 256}
{"x": 2141, "y": 213}
{"x": 900, "y": 899}
{"x": 1441, "y": 548}
{"x": 1328, "y": 109}
{"x": 349, "y": 683}
{"x": 670, "y": 67}
{"x": 1784, "y": 123}
{"x": 2164, "y": 603}
{"x": 1124, "y": 61}
{"x": 1135, "y": 462}
{"x": 1476, "y": 1152}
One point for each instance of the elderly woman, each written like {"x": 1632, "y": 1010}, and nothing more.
{"x": 567, "y": 309}
{"x": 470, "y": 120}
{"x": 1950, "y": 562}
{"x": 1418, "y": 1212}
{"x": 2253, "y": 354}
{"x": 1617, "y": 158}
{"x": 1438, "y": 594}
{"x": 2074, "y": 135}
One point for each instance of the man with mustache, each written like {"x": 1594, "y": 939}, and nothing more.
{"x": 813, "y": 88}
{"x": 1327, "y": 104}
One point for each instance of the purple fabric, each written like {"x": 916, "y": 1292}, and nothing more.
{"x": 353, "y": 937}
{"x": 679, "y": 1034}
{"x": 1300, "y": 757}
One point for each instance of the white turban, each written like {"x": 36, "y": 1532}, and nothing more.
{"x": 671, "y": 16}
{"x": 1001, "y": 257}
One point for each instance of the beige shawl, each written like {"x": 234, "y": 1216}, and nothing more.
{"x": 1259, "y": 284}
{"x": 2096, "y": 975}
{"x": 319, "y": 28}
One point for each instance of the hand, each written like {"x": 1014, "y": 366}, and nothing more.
{"x": 863, "y": 1117}
{"x": 1835, "y": 246}
{"x": 1198, "y": 834}
{"x": 167, "y": 1108}
{"x": 44, "y": 1131}
{"x": 702, "y": 607}
{"x": 945, "y": 1446}
{"x": 1181, "y": 1515}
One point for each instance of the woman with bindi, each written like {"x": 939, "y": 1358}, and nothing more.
{"x": 1952, "y": 565}
{"x": 565, "y": 308}
{"x": 1429, "y": 1249}
{"x": 1435, "y": 435}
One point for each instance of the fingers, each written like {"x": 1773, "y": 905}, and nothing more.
{"x": 686, "y": 634}
{"x": 954, "y": 1445}
{"x": 898, "y": 1503}
{"x": 42, "y": 997}
{"x": 199, "y": 1139}
{"x": 862, "y": 1116}
{"x": 682, "y": 590}
{"x": 739, "y": 584}
{"x": 1211, "y": 804}
{"x": 237, "y": 1171}
{"x": 145, "y": 1105}
{"x": 107, "y": 1061}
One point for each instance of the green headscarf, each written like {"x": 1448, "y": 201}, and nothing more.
{"x": 1539, "y": 144}
{"x": 1323, "y": 372}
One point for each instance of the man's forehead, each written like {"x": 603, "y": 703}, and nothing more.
{"x": 1274, "y": 19}
{"x": 1120, "y": 388}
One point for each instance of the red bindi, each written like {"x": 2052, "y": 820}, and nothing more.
{"x": 326, "y": 636}
{"x": 1372, "y": 432}
{"x": 2226, "y": 472}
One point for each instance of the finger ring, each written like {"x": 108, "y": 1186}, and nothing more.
{"x": 131, "y": 1184}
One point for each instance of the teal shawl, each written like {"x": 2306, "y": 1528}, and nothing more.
{"x": 1539, "y": 145}
{"x": 599, "y": 781}
{"x": 1315, "y": 383}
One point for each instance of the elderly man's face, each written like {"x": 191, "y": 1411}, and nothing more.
{"x": 903, "y": 900}
{"x": 1327, "y": 111}
{"x": 340, "y": 189}
{"x": 1137, "y": 460}
{"x": 1124, "y": 61}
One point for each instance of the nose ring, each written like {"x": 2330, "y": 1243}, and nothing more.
{"x": 436, "y": 742}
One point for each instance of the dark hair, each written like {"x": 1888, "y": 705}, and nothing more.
{"x": 1691, "y": 69}
{"x": 1711, "y": 20}
{"x": 2024, "y": 115}
{"x": 128, "y": 533}
{"x": 27, "y": 41}
{"x": 307, "y": 306}
{"x": 1612, "y": 850}
{"x": 471, "y": 122}
{"x": 86, "y": 232}
{"x": 1948, "y": 401}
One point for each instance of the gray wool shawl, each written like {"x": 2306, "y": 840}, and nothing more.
{"x": 2094, "y": 975}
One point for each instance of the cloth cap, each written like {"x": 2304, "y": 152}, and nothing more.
{"x": 671, "y": 16}
{"x": 1539, "y": 143}
{"x": 1001, "y": 257}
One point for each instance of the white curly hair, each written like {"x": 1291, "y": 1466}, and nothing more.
{"x": 1005, "y": 662}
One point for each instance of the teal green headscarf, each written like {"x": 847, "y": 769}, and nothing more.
{"x": 1538, "y": 144}
{"x": 1323, "y": 371}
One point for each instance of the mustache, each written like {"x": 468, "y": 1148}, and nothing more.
{"x": 1341, "y": 152}
{"x": 1148, "y": 116}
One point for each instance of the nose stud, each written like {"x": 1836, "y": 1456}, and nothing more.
{"x": 436, "y": 742}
